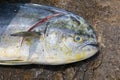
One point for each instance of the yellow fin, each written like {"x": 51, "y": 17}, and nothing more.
{"x": 13, "y": 62}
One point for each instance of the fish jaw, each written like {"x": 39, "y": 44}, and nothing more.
{"x": 62, "y": 58}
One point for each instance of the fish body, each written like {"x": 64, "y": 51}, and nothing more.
{"x": 38, "y": 34}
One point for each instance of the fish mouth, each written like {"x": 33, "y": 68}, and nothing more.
{"x": 93, "y": 44}
{"x": 89, "y": 49}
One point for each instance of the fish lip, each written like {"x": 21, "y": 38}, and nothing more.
{"x": 93, "y": 44}
{"x": 90, "y": 44}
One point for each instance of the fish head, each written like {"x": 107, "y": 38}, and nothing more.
{"x": 73, "y": 44}
{"x": 80, "y": 46}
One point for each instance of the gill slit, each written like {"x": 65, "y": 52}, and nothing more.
{"x": 39, "y": 23}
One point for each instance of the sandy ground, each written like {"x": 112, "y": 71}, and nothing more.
{"x": 104, "y": 16}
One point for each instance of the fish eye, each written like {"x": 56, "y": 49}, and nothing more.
{"x": 78, "y": 39}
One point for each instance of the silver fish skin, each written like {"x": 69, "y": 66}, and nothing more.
{"x": 38, "y": 34}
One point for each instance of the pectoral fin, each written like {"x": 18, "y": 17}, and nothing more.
{"x": 27, "y": 34}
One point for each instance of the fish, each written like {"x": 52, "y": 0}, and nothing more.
{"x": 39, "y": 34}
